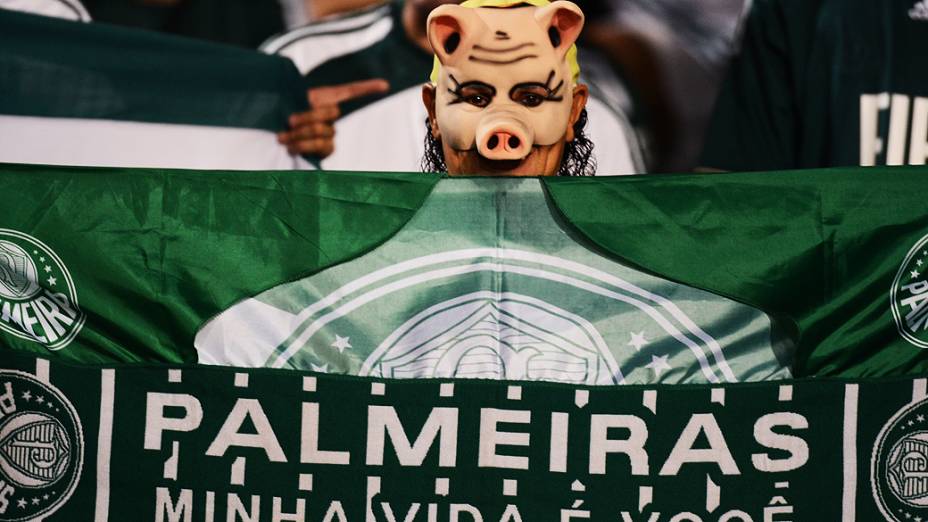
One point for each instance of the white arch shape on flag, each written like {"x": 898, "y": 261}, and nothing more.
{"x": 594, "y": 343}
{"x": 657, "y": 307}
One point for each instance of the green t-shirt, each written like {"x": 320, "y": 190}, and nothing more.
{"x": 825, "y": 83}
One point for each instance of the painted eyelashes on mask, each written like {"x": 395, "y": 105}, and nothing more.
{"x": 528, "y": 94}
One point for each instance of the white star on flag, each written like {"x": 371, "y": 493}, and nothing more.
{"x": 919, "y": 262}
{"x": 48, "y": 268}
{"x": 659, "y": 364}
{"x": 914, "y": 274}
{"x": 637, "y": 341}
{"x": 52, "y": 281}
{"x": 341, "y": 343}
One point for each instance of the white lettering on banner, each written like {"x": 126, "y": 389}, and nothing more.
{"x": 156, "y": 423}
{"x": 633, "y": 446}
{"x": 410, "y": 515}
{"x": 187, "y": 505}
{"x": 433, "y": 443}
{"x": 167, "y": 511}
{"x": 511, "y": 514}
{"x": 335, "y": 510}
{"x": 383, "y": 421}
{"x": 796, "y": 447}
{"x": 684, "y": 453}
{"x": 559, "y": 430}
{"x": 229, "y": 435}
{"x": 309, "y": 436}
{"x": 297, "y": 516}
{"x": 235, "y": 509}
{"x": 209, "y": 512}
{"x": 490, "y": 438}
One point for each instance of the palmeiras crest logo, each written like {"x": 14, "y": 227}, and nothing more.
{"x": 899, "y": 465}
{"x": 37, "y": 297}
{"x": 41, "y": 448}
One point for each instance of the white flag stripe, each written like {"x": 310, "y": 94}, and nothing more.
{"x": 42, "y": 370}
{"x": 919, "y": 391}
{"x": 112, "y": 143}
{"x": 849, "y": 494}
{"x": 104, "y": 444}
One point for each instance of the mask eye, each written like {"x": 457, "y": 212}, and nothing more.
{"x": 530, "y": 100}
{"x": 477, "y": 100}
{"x": 530, "y": 96}
{"x": 478, "y": 94}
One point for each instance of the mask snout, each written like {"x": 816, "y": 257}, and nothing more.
{"x": 504, "y": 140}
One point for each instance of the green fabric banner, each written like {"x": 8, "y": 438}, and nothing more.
{"x": 651, "y": 279}
{"x": 199, "y": 443}
{"x": 833, "y": 252}
{"x": 57, "y": 68}
{"x": 149, "y": 255}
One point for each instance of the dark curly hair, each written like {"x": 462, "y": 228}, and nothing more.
{"x": 578, "y": 157}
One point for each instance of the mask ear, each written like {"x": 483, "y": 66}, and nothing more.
{"x": 562, "y": 20}
{"x": 450, "y": 30}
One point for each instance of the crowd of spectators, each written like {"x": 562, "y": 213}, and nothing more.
{"x": 675, "y": 85}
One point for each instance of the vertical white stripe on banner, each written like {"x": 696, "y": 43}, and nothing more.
{"x": 105, "y": 444}
{"x": 919, "y": 389}
{"x": 42, "y": 370}
{"x": 849, "y": 495}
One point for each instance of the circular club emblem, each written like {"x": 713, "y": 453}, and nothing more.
{"x": 37, "y": 298}
{"x": 41, "y": 448}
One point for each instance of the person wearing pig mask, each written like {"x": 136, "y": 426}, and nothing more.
{"x": 384, "y": 52}
{"x": 503, "y": 98}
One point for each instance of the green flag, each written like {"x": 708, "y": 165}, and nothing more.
{"x": 95, "y": 94}
{"x": 449, "y": 302}
{"x": 653, "y": 279}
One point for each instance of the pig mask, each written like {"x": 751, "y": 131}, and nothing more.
{"x": 506, "y": 81}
